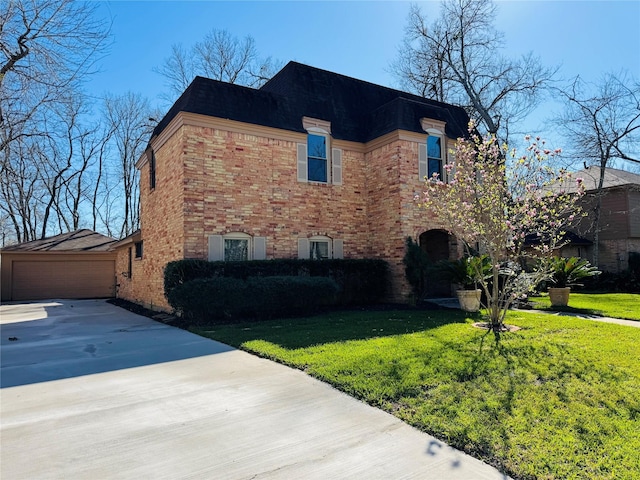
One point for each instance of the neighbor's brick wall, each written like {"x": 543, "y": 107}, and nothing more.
{"x": 614, "y": 254}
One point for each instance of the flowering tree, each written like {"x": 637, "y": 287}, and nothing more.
{"x": 508, "y": 207}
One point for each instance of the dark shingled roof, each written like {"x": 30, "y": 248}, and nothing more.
{"x": 79, "y": 241}
{"x": 358, "y": 111}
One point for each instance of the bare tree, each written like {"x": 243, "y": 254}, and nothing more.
{"x": 128, "y": 116}
{"x": 47, "y": 49}
{"x": 456, "y": 59}
{"x": 601, "y": 122}
{"x": 220, "y": 56}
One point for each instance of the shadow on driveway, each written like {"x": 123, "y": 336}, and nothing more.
{"x": 52, "y": 340}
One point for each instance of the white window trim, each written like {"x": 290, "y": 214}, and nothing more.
{"x": 256, "y": 246}
{"x": 322, "y": 128}
{"x": 335, "y": 246}
{"x": 327, "y": 152}
{"x": 239, "y": 236}
{"x": 316, "y": 125}
{"x": 322, "y": 239}
{"x": 443, "y": 150}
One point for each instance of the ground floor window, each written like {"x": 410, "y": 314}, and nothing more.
{"x": 320, "y": 248}
{"x": 236, "y": 247}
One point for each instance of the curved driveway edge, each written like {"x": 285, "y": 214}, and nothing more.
{"x": 91, "y": 390}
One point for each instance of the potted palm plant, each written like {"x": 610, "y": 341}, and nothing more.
{"x": 466, "y": 272}
{"x": 567, "y": 273}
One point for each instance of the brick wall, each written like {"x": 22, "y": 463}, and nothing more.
{"x": 213, "y": 180}
{"x": 248, "y": 184}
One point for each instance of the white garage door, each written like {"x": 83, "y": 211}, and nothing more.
{"x": 63, "y": 279}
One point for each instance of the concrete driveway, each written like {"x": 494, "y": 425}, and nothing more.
{"x": 91, "y": 391}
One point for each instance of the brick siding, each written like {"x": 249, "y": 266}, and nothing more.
{"x": 214, "y": 181}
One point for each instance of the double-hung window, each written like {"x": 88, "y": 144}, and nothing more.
{"x": 434, "y": 156}
{"x": 317, "y": 161}
{"x": 317, "y": 167}
{"x": 431, "y": 157}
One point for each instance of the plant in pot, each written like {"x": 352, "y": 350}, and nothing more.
{"x": 567, "y": 273}
{"x": 466, "y": 272}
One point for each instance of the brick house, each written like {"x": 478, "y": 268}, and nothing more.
{"x": 311, "y": 165}
{"x": 619, "y": 219}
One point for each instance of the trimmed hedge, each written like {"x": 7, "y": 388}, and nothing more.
{"x": 361, "y": 282}
{"x": 218, "y": 299}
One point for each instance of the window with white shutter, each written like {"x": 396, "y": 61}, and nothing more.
{"x": 236, "y": 247}
{"x": 320, "y": 248}
{"x": 336, "y": 166}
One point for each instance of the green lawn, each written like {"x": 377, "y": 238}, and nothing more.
{"x": 559, "y": 399}
{"x": 617, "y": 305}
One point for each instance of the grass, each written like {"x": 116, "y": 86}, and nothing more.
{"x": 616, "y": 305}
{"x": 558, "y": 399}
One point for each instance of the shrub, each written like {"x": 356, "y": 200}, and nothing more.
{"x": 285, "y": 296}
{"x": 202, "y": 298}
{"x": 416, "y": 264}
{"x": 220, "y": 299}
{"x": 569, "y": 272}
{"x": 361, "y": 282}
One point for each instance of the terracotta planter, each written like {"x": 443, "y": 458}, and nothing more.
{"x": 559, "y": 296}
{"x": 469, "y": 300}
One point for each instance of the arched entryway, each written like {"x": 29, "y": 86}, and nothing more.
{"x": 438, "y": 245}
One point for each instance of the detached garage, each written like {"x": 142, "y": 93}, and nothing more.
{"x": 79, "y": 264}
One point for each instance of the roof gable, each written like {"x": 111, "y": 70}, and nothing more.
{"x": 612, "y": 177}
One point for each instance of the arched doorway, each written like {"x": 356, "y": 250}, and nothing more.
{"x": 437, "y": 245}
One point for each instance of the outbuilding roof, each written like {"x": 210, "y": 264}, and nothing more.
{"x": 612, "y": 177}
{"x": 358, "y": 111}
{"x": 83, "y": 240}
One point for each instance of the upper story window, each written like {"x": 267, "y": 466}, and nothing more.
{"x": 431, "y": 157}
{"x": 317, "y": 168}
{"x": 138, "y": 247}
{"x": 152, "y": 170}
{"x": 317, "y": 161}
{"x": 434, "y": 156}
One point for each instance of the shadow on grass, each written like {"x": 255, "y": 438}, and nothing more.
{"x": 294, "y": 333}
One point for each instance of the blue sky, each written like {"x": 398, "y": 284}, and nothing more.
{"x": 360, "y": 39}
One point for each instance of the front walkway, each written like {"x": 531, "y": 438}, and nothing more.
{"x": 453, "y": 303}
{"x": 90, "y": 390}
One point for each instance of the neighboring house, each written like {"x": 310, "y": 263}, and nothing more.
{"x": 619, "y": 218}
{"x": 311, "y": 165}
{"x": 79, "y": 264}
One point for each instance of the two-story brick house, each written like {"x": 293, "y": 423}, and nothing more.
{"x": 311, "y": 165}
